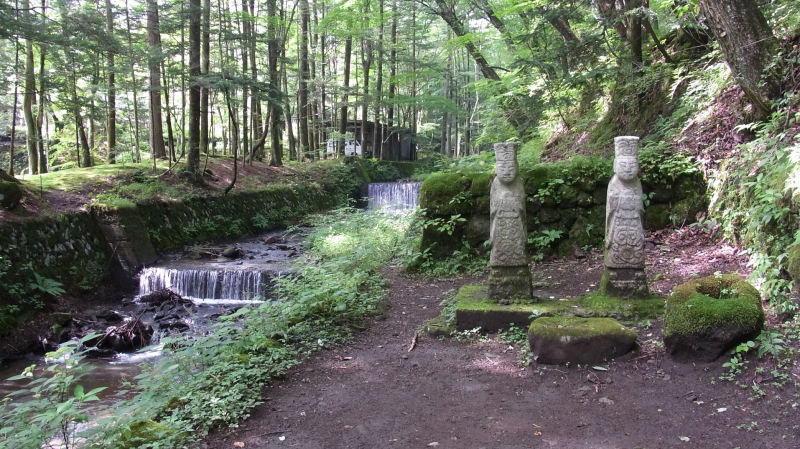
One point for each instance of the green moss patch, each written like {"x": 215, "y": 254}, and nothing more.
{"x": 699, "y": 306}
{"x": 707, "y": 316}
{"x": 556, "y": 340}
{"x": 475, "y": 309}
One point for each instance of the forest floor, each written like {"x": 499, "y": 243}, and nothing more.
{"x": 389, "y": 389}
{"x": 71, "y": 190}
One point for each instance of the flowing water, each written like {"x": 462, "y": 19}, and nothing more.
{"x": 216, "y": 286}
{"x": 394, "y": 195}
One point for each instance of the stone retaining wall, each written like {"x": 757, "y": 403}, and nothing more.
{"x": 566, "y": 197}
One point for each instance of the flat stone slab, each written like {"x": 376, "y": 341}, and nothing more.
{"x": 476, "y": 309}
{"x": 557, "y": 340}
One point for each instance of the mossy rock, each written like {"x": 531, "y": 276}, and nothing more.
{"x": 141, "y": 433}
{"x": 657, "y": 216}
{"x": 10, "y": 194}
{"x": 557, "y": 340}
{"x": 438, "y": 327}
{"x": 438, "y": 191}
{"x": 707, "y": 316}
{"x": 793, "y": 263}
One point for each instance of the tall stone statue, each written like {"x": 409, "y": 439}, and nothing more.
{"x": 509, "y": 276}
{"x": 624, "y": 275}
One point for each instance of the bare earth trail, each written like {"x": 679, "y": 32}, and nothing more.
{"x": 375, "y": 393}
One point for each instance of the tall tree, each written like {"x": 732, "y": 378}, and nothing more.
{"x": 157, "y": 148}
{"x": 348, "y": 50}
{"x": 749, "y": 45}
{"x": 111, "y": 124}
{"x": 303, "y": 78}
{"x": 193, "y": 159}
{"x": 275, "y": 111}
{"x": 32, "y": 136}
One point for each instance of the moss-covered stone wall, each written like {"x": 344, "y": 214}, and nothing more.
{"x": 69, "y": 249}
{"x": 564, "y": 197}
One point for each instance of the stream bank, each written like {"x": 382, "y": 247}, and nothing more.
{"x": 95, "y": 252}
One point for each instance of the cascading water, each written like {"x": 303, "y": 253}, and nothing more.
{"x": 206, "y": 284}
{"x": 394, "y": 195}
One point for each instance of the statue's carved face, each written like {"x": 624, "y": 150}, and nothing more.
{"x": 627, "y": 169}
{"x": 506, "y": 171}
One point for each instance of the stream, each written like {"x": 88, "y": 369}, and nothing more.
{"x": 216, "y": 285}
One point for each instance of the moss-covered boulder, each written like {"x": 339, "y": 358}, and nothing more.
{"x": 10, "y": 194}
{"x": 707, "y": 316}
{"x": 793, "y": 263}
{"x": 557, "y": 340}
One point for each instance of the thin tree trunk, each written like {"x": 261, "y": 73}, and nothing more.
{"x": 14, "y": 109}
{"x": 206, "y": 68}
{"x": 170, "y": 134}
{"x": 303, "y": 77}
{"x": 111, "y": 124}
{"x": 275, "y": 108}
{"x": 348, "y": 49}
{"x": 135, "y": 89}
{"x": 193, "y": 160}
{"x": 392, "y": 83}
{"x": 27, "y": 104}
{"x": 377, "y": 130}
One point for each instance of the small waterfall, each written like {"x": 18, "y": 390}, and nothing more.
{"x": 206, "y": 284}
{"x": 394, "y": 195}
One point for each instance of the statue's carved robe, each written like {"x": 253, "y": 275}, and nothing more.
{"x": 624, "y": 232}
{"x": 508, "y": 232}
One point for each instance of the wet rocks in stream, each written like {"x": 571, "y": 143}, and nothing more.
{"x": 171, "y": 310}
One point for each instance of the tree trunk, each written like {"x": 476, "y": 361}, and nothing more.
{"x": 302, "y": 103}
{"x": 27, "y": 104}
{"x": 392, "y": 85}
{"x": 377, "y": 134}
{"x": 749, "y": 45}
{"x": 193, "y": 159}
{"x": 206, "y": 66}
{"x": 348, "y": 49}
{"x": 135, "y": 88}
{"x": 111, "y": 125}
{"x": 154, "y": 62}
{"x": 274, "y": 94}
{"x": 14, "y": 110}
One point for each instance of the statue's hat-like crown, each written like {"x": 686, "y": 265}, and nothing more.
{"x": 626, "y": 146}
{"x": 504, "y": 151}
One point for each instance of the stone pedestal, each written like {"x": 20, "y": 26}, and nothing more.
{"x": 506, "y": 283}
{"x": 625, "y": 283}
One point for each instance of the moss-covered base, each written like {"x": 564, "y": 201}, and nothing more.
{"x": 510, "y": 283}
{"x": 476, "y": 309}
{"x": 625, "y": 283}
{"x": 707, "y": 316}
{"x": 557, "y": 340}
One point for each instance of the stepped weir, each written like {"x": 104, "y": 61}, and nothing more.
{"x": 394, "y": 195}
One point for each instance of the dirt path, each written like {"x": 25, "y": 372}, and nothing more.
{"x": 375, "y": 393}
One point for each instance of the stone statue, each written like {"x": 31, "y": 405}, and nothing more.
{"x": 509, "y": 276}
{"x": 624, "y": 275}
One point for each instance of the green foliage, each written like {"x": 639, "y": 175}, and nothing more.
{"x": 46, "y": 285}
{"x": 50, "y": 406}
{"x": 540, "y": 243}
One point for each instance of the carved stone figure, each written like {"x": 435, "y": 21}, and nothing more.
{"x": 509, "y": 276}
{"x": 624, "y": 275}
